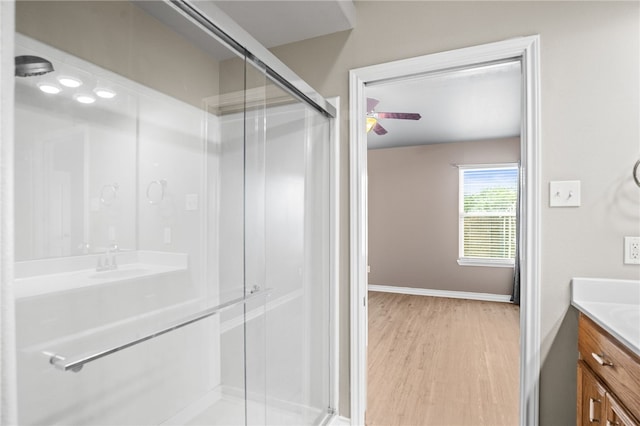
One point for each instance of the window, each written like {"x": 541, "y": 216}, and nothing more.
{"x": 487, "y": 210}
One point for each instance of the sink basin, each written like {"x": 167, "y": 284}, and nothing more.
{"x": 119, "y": 273}
{"x": 627, "y": 314}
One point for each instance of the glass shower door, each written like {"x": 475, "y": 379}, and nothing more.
{"x": 287, "y": 199}
{"x": 172, "y": 227}
{"x": 286, "y": 254}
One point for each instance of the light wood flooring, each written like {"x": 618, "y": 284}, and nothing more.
{"x": 442, "y": 362}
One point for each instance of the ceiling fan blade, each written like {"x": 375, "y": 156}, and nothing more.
{"x": 400, "y": 115}
{"x": 379, "y": 129}
{"x": 371, "y": 104}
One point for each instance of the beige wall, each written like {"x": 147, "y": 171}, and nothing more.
{"x": 413, "y": 216}
{"x": 590, "y": 132}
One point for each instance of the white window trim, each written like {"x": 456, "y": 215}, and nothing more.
{"x": 478, "y": 261}
{"x": 482, "y": 261}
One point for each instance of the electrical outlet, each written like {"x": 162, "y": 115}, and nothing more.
{"x": 632, "y": 250}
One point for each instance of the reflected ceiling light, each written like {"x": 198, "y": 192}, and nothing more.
{"x": 84, "y": 99}
{"x": 104, "y": 92}
{"x": 49, "y": 88}
{"x": 371, "y": 121}
{"x": 70, "y": 81}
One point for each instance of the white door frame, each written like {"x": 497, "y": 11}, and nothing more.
{"x": 527, "y": 50}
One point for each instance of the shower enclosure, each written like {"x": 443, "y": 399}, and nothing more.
{"x": 172, "y": 205}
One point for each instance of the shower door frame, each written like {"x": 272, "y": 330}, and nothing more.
{"x": 8, "y": 373}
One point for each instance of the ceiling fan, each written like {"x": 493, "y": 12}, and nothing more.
{"x": 373, "y": 117}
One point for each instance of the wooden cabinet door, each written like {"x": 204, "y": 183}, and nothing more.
{"x": 591, "y": 398}
{"x": 616, "y": 415}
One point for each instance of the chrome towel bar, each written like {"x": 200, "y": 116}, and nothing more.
{"x": 76, "y": 363}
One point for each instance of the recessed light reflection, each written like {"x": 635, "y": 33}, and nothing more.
{"x": 104, "y": 93}
{"x": 70, "y": 81}
{"x": 48, "y": 88}
{"x": 84, "y": 99}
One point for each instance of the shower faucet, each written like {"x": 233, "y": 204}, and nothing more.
{"x": 107, "y": 262}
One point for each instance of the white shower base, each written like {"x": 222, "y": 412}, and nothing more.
{"x": 224, "y": 408}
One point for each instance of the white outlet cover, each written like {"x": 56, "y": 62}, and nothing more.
{"x": 632, "y": 250}
{"x": 564, "y": 193}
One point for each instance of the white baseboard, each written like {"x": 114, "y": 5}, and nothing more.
{"x": 488, "y": 297}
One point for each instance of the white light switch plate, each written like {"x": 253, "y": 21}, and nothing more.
{"x": 564, "y": 193}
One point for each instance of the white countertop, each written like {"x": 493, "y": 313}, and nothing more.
{"x": 612, "y": 304}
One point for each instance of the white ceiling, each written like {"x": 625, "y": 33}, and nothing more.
{"x": 476, "y": 104}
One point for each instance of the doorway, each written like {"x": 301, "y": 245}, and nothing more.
{"x": 525, "y": 50}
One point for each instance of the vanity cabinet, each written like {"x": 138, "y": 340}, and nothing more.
{"x": 591, "y": 397}
{"x": 608, "y": 379}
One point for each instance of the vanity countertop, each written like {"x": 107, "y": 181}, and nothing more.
{"x": 612, "y": 304}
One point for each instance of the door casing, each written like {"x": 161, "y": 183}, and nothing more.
{"x": 527, "y": 50}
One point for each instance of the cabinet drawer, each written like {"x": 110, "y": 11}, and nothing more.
{"x": 615, "y": 414}
{"x": 618, "y": 367}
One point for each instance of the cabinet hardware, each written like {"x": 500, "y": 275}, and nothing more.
{"x": 600, "y": 360}
{"x": 592, "y": 410}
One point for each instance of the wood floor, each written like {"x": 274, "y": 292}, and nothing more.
{"x": 442, "y": 362}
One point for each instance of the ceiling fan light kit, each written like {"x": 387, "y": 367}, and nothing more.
{"x": 371, "y": 121}
{"x": 373, "y": 117}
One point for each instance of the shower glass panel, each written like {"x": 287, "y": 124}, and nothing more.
{"x": 172, "y": 228}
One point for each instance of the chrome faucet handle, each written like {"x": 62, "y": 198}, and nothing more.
{"x": 111, "y": 254}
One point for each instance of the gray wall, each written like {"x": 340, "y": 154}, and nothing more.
{"x": 413, "y": 216}
{"x": 590, "y": 132}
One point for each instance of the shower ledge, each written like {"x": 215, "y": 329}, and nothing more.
{"x": 612, "y": 304}
{"x": 39, "y": 277}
